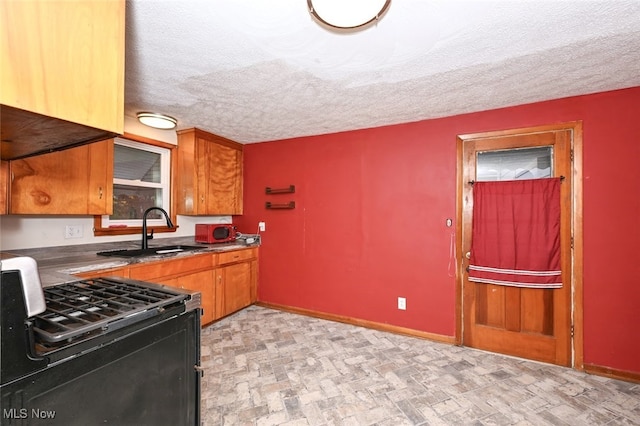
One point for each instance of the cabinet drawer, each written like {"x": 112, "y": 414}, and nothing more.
{"x": 236, "y": 256}
{"x": 117, "y": 272}
{"x": 166, "y": 268}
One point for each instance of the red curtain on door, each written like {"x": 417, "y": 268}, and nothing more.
{"x": 515, "y": 237}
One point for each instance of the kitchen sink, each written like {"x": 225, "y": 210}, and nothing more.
{"x": 151, "y": 251}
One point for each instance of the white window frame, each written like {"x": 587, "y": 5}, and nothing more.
{"x": 164, "y": 184}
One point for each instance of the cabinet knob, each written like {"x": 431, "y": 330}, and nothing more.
{"x": 100, "y": 193}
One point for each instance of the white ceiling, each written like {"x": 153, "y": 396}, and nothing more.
{"x": 260, "y": 70}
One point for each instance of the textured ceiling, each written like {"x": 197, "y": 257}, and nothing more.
{"x": 258, "y": 70}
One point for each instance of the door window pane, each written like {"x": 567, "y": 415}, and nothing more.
{"x": 513, "y": 164}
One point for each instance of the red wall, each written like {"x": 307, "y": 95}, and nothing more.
{"x": 371, "y": 206}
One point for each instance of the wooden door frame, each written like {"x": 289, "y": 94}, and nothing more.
{"x": 577, "y": 313}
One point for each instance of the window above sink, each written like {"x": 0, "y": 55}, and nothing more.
{"x": 141, "y": 179}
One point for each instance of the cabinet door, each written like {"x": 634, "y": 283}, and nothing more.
{"x": 201, "y": 185}
{"x": 208, "y": 174}
{"x": 204, "y": 283}
{"x": 66, "y": 60}
{"x": 236, "y": 287}
{"x": 192, "y": 273}
{"x": 184, "y": 169}
{"x": 74, "y": 181}
{"x": 224, "y": 179}
{"x": 4, "y": 187}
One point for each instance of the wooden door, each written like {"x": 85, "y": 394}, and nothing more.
{"x": 525, "y": 322}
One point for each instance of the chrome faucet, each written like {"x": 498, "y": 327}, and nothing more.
{"x": 145, "y": 237}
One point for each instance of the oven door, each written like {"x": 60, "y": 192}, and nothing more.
{"x": 146, "y": 377}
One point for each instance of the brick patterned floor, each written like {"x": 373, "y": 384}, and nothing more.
{"x": 266, "y": 367}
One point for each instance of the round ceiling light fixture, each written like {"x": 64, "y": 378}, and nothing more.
{"x": 347, "y": 14}
{"x": 158, "y": 121}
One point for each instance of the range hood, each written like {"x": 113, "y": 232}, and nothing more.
{"x": 26, "y": 133}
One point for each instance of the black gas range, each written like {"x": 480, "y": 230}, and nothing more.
{"x": 97, "y": 351}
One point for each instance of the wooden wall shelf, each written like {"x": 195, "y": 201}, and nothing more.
{"x": 272, "y": 206}
{"x": 290, "y": 190}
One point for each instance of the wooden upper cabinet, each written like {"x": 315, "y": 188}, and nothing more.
{"x": 61, "y": 74}
{"x": 208, "y": 178}
{"x": 4, "y": 187}
{"x": 65, "y": 59}
{"x": 74, "y": 181}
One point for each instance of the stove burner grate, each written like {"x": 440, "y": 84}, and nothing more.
{"x": 101, "y": 304}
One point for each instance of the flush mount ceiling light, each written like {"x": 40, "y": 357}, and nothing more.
{"x": 158, "y": 121}
{"x": 347, "y": 14}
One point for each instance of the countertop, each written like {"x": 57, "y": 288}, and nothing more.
{"x": 57, "y": 265}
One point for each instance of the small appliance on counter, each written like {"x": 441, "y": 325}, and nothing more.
{"x": 248, "y": 239}
{"x": 209, "y": 233}
{"x": 103, "y": 350}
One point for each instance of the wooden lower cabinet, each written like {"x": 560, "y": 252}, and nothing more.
{"x": 232, "y": 284}
{"x": 226, "y": 281}
{"x": 202, "y": 282}
{"x": 236, "y": 280}
{"x": 191, "y": 273}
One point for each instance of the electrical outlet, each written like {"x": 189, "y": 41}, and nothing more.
{"x": 73, "y": 231}
{"x": 262, "y": 226}
{"x": 402, "y": 303}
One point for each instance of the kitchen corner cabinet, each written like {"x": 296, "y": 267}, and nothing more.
{"x": 64, "y": 59}
{"x": 208, "y": 178}
{"x": 74, "y": 181}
